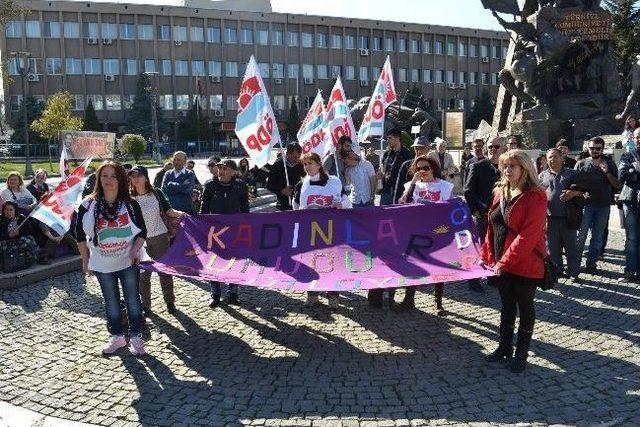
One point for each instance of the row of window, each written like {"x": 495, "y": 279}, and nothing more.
{"x": 247, "y": 36}
{"x": 166, "y": 67}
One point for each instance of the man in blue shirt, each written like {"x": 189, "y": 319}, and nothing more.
{"x": 177, "y": 184}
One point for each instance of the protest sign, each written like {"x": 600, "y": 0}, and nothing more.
{"x": 82, "y": 144}
{"x": 383, "y": 95}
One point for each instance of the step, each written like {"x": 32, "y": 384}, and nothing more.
{"x": 58, "y": 266}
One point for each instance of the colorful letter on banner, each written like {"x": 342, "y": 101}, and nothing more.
{"x": 383, "y": 95}
{"x": 56, "y": 209}
{"x": 256, "y": 124}
{"x": 338, "y": 120}
{"x": 330, "y": 249}
{"x": 312, "y": 135}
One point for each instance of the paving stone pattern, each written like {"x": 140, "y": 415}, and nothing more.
{"x": 274, "y": 362}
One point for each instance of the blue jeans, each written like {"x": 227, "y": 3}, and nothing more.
{"x": 631, "y": 242}
{"x": 386, "y": 199}
{"x": 595, "y": 219}
{"x": 559, "y": 237}
{"x": 216, "y": 292}
{"x": 129, "y": 280}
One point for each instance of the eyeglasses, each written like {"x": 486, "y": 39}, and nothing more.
{"x": 424, "y": 168}
{"x": 497, "y": 147}
{"x": 595, "y": 148}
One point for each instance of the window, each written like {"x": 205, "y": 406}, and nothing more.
{"x": 415, "y": 75}
{"x": 277, "y": 38}
{"x": 377, "y": 43}
{"x": 484, "y": 51}
{"x": 15, "y": 102}
{"x": 52, "y": 30}
{"x": 92, "y": 66}
{"x": 402, "y": 44}
{"x": 426, "y": 76}
{"x": 197, "y": 34}
{"x": 494, "y": 79}
{"x": 129, "y": 67}
{"x": 150, "y": 66}
{"x": 451, "y": 49}
{"x": 473, "y": 50}
{"x": 349, "y": 42}
{"x": 440, "y": 104}
{"x": 439, "y": 76}
{"x": 292, "y": 39}
{"x": 32, "y": 29}
{"x": 426, "y": 47}
{"x": 180, "y": 67}
{"x": 307, "y": 71}
{"x": 307, "y": 40}
{"x": 375, "y": 72}
{"x": 180, "y": 33}
{"x": 166, "y": 67}
{"x": 232, "y": 103}
{"x": 278, "y": 103}
{"x": 73, "y": 66}
{"x": 265, "y": 69}
{"x": 246, "y": 36}
{"x": 263, "y": 37}
{"x": 215, "y": 68}
{"x": 460, "y": 104}
{"x": 496, "y": 52}
{"x": 277, "y": 71}
{"x": 322, "y": 71}
{"x": 166, "y": 102}
{"x": 197, "y": 68}
{"x": 230, "y": 35}
{"x": 438, "y": 48}
{"x": 113, "y": 102}
{"x": 213, "y": 35}
{"x": 54, "y": 66}
{"x": 128, "y": 31}
{"x": 215, "y": 102}
{"x": 321, "y": 40}
{"x": 484, "y": 78}
{"x": 182, "y": 102}
{"x": 364, "y": 73}
{"x": 388, "y": 44}
{"x": 336, "y": 41}
{"x": 415, "y": 46}
{"x": 451, "y": 77}
{"x": 127, "y": 101}
{"x": 145, "y": 32}
{"x": 91, "y": 30}
{"x": 231, "y": 69}
{"x": 13, "y": 66}
{"x": 13, "y": 30}
{"x": 71, "y": 30}
{"x": 78, "y": 102}
{"x": 462, "y": 77}
{"x": 111, "y": 66}
{"x": 109, "y": 31}
{"x": 293, "y": 71}
{"x": 164, "y": 32}
{"x": 473, "y": 78}
{"x": 462, "y": 49}
{"x": 364, "y": 42}
{"x": 350, "y": 72}
{"x": 336, "y": 71}
{"x": 97, "y": 102}
{"x": 308, "y": 102}
{"x": 504, "y": 52}
{"x": 402, "y": 74}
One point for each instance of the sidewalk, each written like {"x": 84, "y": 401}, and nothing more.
{"x": 15, "y": 416}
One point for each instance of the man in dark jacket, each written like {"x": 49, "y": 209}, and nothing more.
{"x": 629, "y": 176}
{"x": 392, "y": 160}
{"x": 478, "y": 191}
{"x": 225, "y": 194}
{"x": 277, "y": 180}
{"x": 478, "y": 154}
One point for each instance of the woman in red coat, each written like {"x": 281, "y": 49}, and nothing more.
{"x": 515, "y": 248}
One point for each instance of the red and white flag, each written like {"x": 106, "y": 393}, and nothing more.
{"x": 64, "y": 163}
{"x": 383, "y": 95}
{"x": 312, "y": 135}
{"x": 338, "y": 120}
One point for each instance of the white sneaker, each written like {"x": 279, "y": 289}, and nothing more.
{"x": 312, "y": 299}
{"x": 113, "y": 344}
{"x": 136, "y": 346}
{"x": 333, "y": 301}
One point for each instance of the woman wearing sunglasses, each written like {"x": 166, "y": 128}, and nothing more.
{"x": 427, "y": 186}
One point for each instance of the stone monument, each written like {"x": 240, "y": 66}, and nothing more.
{"x": 560, "y": 78}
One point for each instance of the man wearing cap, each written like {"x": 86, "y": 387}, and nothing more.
{"x": 420, "y": 148}
{"x": 392, "y": 160}
{"x": 225, "y": 194}
{"x": 444, "y": 159}
{"x": 178, "y": 183}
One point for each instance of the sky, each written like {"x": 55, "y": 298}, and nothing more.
{"x": 458, "y": 13}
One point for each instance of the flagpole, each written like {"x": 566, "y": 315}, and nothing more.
{"x": 284, "y": 164}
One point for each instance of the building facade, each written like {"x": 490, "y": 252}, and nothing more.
{"x": 97, "y": 50}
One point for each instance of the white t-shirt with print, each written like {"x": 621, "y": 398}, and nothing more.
{"x": 322, "y": 196}
{"x": 434, "y": 191}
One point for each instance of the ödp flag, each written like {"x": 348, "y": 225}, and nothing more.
{"x": 56, "y": 209}
{"x": 64, "y": 163}
{"x": 312, "y": 135}
{"x": 383, "y": 95}
{"x": 256, "y": 125}
{"x": 338, "y": 120}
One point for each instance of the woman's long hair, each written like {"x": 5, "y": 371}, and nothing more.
{"x": 528, "y": 180}
{"x": 147, "y": 187}
{"x": 20, "y": 180}
{"x": 627, "y": 123}
{"x": 121, "y": 176}
{"x": 435, "y": 167}
{"x": 316, "y": 159}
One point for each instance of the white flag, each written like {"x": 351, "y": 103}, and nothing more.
{"x": 64, "y": 163}
{"x": 338, "y": 120}
{"x": 312, "y": 135}
{"x": 383, "y": 95}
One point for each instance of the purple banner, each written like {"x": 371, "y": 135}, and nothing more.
{"x": 330, "y": 249}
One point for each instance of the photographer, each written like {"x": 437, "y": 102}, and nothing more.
{"x": 629, "y": 176}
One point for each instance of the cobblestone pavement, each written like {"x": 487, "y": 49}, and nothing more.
{"x": 274, "y": 362}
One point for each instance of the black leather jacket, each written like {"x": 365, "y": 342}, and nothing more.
{"x": 220, "y": 198}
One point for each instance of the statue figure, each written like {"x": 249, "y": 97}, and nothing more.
{"x": 634, "y": 74}
{"x": 421, "y": 118}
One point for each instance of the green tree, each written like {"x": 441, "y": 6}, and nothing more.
{"x": 140, "y": 119}
{"x": 56, "y": 117}
{"x": 91, "y": 121}
{"x": 133, "y": 145}
{"x": 483, "y": 108}
{"x": 196, "y": 126}
{"x": 293, "y": 121}
{"x": 9, "y": 9}
{"x": 34, "y": 111}
{"x": 626, "y": 31}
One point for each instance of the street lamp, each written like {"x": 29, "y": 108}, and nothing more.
{"x": 154, "y": 114}
{"x": 23, "y": 66}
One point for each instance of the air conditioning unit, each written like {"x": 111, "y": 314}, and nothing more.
{"x": 92, "y": 40}
{"x": 364, "y": 83}
{"x": 107, "y": 41}
{"x": 277, "y": 81}
{"x": 308, "y": 80}
{"x": 451, "y": 86}
{"x": 364, "y": 52}
{"x": 462, "y": 86}
{"x": 485, "y": 59}
{"x": 109, "y": 78}
{"x": 33, "y": 77}
{"x": 217, "y": 113}
{"x": 178, "y": 42}
{"x": 215, "y": 79}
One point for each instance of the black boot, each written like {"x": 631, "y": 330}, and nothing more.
{"x": 409, "y": 301}
{"x": 232, "y": 299}
{"x": 375, "y": 298}
{"x": 437, "y": 294}
{"x": 522, "y": 351}
{"x": 505, "y": 347}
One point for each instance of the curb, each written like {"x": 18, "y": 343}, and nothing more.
{"x": 15, "y": 416}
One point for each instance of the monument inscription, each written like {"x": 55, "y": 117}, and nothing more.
{"x": 586, "y": 26}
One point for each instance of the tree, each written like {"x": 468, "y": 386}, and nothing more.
{"x": 133, "y": 145}
{"x": 140, "y": 118}
{"x": 91, "y": 119}
{"x": 293, "y": 121}
{"x": 56, "y": 117}
{"x": 196, "y": 126}
{"x": 34, "y": 111}
{"x": 626, "y": 31}
{"x": 483, "y": 108}
{"x": 9, "y": 9}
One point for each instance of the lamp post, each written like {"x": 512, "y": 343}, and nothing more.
{"x": 23, "y": 66}
{"x": 154, "y": 114}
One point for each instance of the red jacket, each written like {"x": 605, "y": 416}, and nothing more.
{"x": 527, "y": 230}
